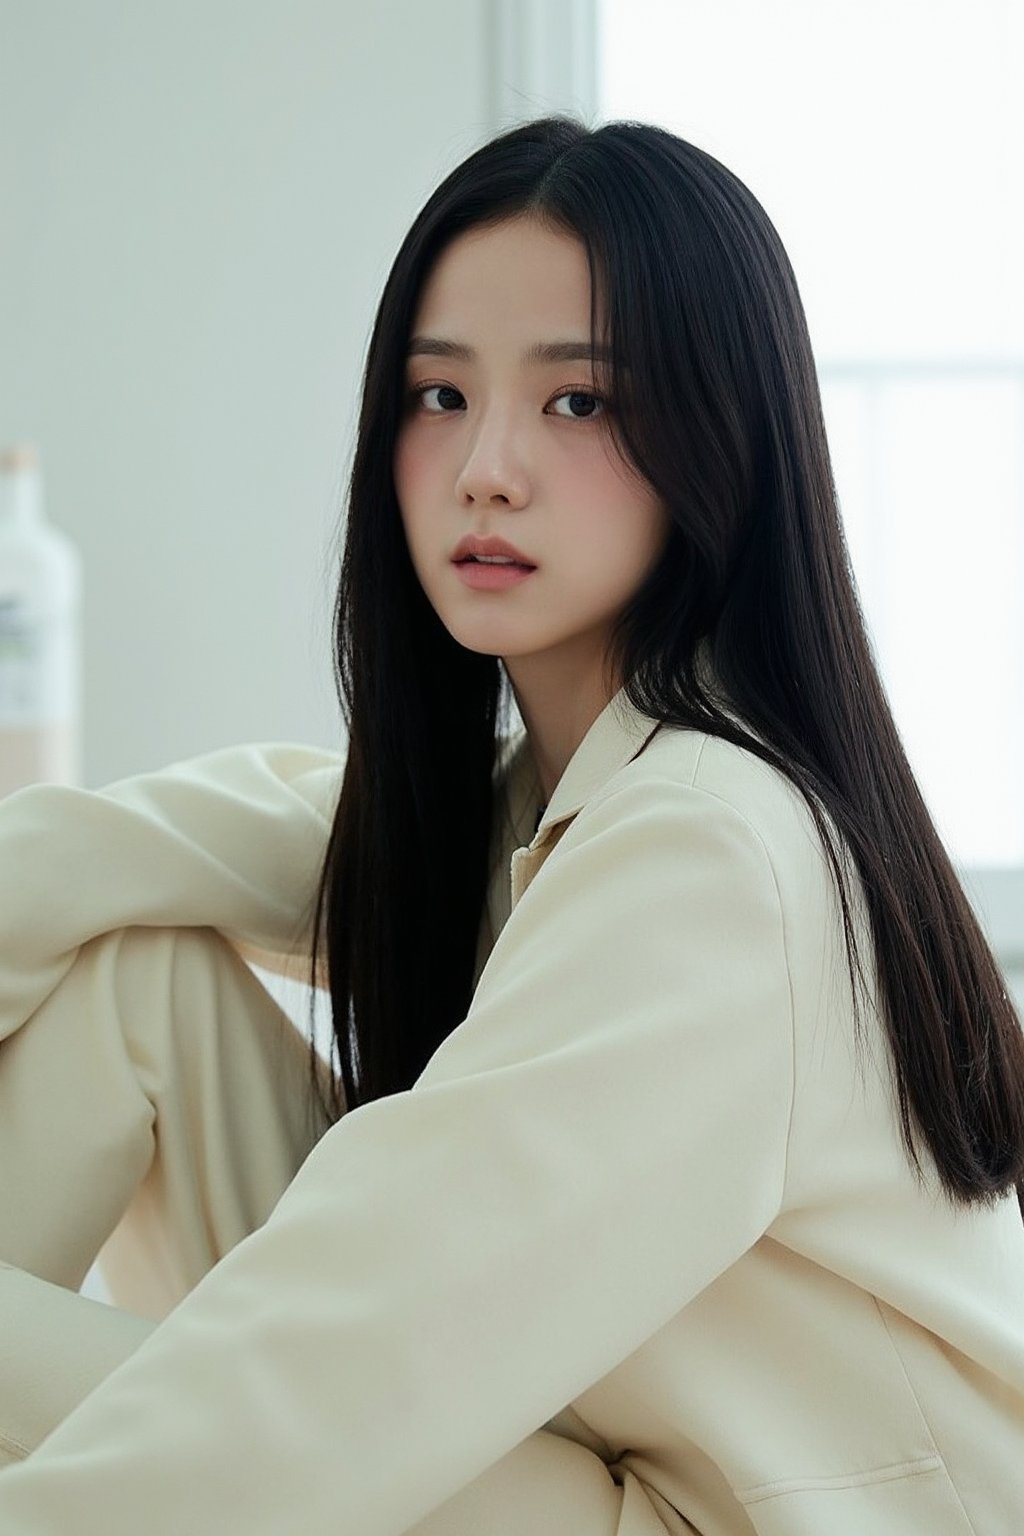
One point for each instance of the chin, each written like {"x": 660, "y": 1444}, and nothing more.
{"x": 487, "y": 641}
{"x": 478, "y": 646}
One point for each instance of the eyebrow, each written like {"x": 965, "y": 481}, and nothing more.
{"x": 540, "y": 352}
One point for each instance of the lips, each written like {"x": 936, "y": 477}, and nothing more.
{"x": 503, "y": 564}
{"x": 472, "y": 547}
{"x": 482, "y": 576}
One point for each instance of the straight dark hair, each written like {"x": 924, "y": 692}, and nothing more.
{"x": 715, "y": 401}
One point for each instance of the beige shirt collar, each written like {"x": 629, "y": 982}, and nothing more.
{"x": 616, "y": 736}
{"x": 526, "y": 831}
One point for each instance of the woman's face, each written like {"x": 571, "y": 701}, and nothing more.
{"x": 499, "y": 441}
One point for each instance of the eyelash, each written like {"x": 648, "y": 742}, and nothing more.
{"x": 419, "y": 390}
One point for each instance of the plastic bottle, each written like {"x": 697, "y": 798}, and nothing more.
{"x": 40, "y": 669}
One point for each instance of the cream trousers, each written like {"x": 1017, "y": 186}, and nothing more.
{"x": 158, "y": 1139}
{"x": 162, "y": 1140}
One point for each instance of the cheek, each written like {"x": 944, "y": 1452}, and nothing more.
{"x": 637, "y": 521}
{"x": 611, "y": 485}
{"x": 620, "y": 524}
{"x": 408, "y": 472}
{"x": 404, "y": 468}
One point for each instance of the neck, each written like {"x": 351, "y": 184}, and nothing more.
{"x": 557, "y": 709}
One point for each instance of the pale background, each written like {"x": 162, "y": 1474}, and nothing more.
{"x": 200, "y": 203}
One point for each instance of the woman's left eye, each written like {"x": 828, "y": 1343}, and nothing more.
{"x": 584, "y": 398}
{"x": 420, "y": 392}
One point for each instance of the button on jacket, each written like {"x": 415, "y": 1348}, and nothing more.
{"x": 641, "y": 1250}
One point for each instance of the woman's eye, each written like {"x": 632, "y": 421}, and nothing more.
{"x": 583, "y": 404}
{"x": 444, "y": 393}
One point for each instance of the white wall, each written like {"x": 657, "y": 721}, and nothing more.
{"x": 200, "y": 202}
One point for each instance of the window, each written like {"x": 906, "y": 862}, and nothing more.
{"x": 886, "y": 142}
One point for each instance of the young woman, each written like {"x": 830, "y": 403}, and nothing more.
{"x": 668, "y": 1181}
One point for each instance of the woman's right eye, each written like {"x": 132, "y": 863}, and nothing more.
{"x": 444, "y": 393}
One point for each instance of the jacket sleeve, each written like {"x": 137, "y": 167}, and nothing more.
{"x": 602, "y": 1135}
{"x": 232, "y": 840}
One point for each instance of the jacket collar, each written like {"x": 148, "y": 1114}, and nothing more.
{"x": 619, "y": 733}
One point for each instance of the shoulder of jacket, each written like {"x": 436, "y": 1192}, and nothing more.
{"x": 729, "y": 777}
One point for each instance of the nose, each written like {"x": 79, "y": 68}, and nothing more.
{"x": 494, "y": 469}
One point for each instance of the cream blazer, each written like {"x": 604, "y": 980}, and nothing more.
{"x": 641, "y": 1250}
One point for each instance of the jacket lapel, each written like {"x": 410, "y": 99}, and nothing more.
{"x": 619, "y": 734}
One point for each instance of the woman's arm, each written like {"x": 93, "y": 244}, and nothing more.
{"x": 56, "y": 1347}
{"x": 232, "y": 840}
{"x": 602, "y": 1136}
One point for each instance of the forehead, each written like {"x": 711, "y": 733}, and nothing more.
{"x": 503, "y": 277}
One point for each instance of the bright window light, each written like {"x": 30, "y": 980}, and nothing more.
{"x": 886, "y": 142}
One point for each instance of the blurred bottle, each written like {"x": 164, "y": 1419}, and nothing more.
{"x": 40, "y": 597}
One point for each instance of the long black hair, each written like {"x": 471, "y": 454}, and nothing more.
{"x": 716, "y": 403}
